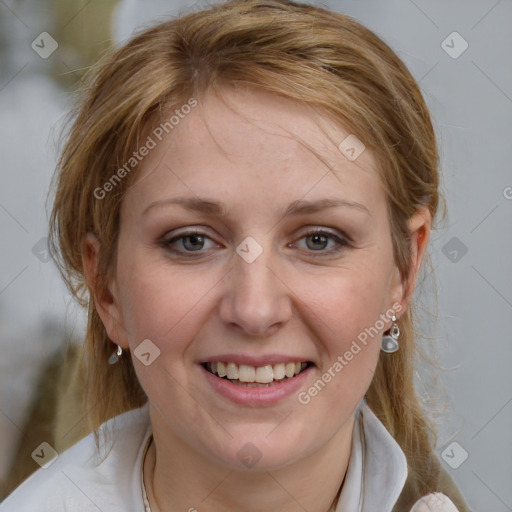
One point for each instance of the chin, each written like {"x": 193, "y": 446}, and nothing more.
{"x": 262, "y": 452}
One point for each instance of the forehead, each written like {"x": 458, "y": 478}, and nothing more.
{"x": 251, "y": 144}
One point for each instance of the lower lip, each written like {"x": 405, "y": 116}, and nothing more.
{"x": 260, "y": 396}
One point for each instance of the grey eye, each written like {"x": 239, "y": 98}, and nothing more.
{"x": 196, "y": 242}
{"x": 318, "y": 241}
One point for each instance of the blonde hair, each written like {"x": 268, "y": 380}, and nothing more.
{"x": 323, "y": 59}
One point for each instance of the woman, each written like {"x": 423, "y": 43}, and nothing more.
{"x": 247, "y": 193}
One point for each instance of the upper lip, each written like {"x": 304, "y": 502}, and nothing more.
{"x": 256, "y": 361}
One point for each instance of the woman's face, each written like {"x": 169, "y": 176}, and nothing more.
{"x": 218, "y": 262}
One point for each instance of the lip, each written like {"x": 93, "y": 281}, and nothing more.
{"x": 256, "y": 397}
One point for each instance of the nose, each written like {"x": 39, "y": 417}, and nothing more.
{"x": 256, "y": 300}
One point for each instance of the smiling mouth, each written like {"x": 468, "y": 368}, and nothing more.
{"x": 261, "y": 376}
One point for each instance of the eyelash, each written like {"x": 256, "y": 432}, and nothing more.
{"x": 342, "y": 242}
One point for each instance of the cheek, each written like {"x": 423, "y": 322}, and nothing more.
{"x": 346, "y": 314}
{"x": 345, "y": 322}
{"x": 350, "y": 302}
{"x": 162, "y": 305}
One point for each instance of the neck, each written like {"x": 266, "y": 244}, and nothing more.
{"x": 178, "y": 478}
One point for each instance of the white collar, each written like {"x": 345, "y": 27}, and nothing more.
{"x": 377, "y": 468}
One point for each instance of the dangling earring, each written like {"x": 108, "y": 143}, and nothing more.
{"x": 389, "y": 343}
{"x": 115, "y": 355}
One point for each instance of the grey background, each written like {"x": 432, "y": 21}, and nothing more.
{"x": 470, "y": 98}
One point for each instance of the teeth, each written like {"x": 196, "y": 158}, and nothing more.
{"x": 221, "y": 369}
{"x": 246, "y": 373}
{"x": 264, "y": 374}
{"x": 290, "y": 369}
{"x": 279, "y": 371}
{"x": 232, "y": 371}
{"x": 261, "y": 375}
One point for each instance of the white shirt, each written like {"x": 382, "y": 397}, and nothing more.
{"x": 377, "y": 471}
{"x": 74, "y": 482}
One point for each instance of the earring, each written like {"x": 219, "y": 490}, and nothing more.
{"x": 114, "y": 358}
{"x": 389, "y": 343}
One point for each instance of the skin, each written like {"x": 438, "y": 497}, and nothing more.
{"x": 295, "y": 299}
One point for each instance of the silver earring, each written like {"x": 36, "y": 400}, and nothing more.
{"x": 115, "y": 355}
{"x": 389, "y": 343}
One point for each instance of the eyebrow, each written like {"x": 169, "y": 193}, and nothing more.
{"x": 298, "y": 207}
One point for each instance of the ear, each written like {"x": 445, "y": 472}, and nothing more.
{"x": 402, "y": 290}
{"x": 104, "y": 300}
{"x": 420, "y": 227}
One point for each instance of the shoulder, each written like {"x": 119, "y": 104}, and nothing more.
{"x": 435, "y": 502}
{"x": 82, "y": 479}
